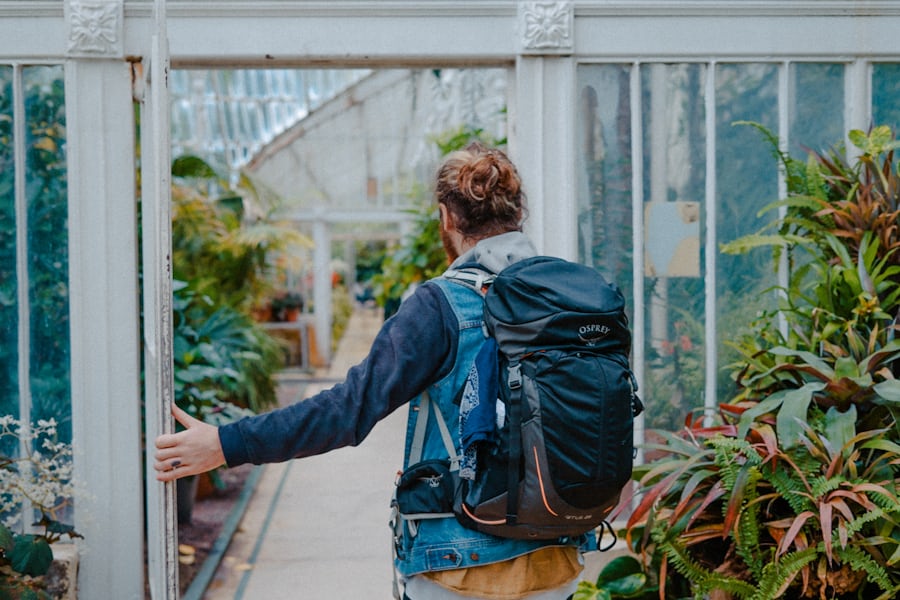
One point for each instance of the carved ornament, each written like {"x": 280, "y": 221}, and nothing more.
{"x": 95, "y": 28}
{"x": 547, "y": 27}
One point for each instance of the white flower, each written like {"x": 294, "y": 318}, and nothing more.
{"x": 39, "y": 480}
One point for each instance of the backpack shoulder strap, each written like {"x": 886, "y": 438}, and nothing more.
{"x": 418, "y": 441}
{"x": 473, "y": 276}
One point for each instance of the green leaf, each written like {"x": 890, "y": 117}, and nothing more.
{"x": 192, "y": 166}
{"x": 619, "y": 567}
{"x": 845, "y": 366}
{"x": 858, "y": 138}
{"x": 882, "y": 444}
{"x": 793, "y": 414}
{"x": 627, "y": 586}
{"x": 31, "y": 555}
{"x": 752, "y": 241}
{"x": 807, "y": 357}
{"x": 888, "y": 390}
{"x": 588, "y": 591}
{"x": 840, "y": 427}
{"x": 768, "y": 405}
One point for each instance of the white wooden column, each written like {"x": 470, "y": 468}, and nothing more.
{"x": 542, "y": 119}
{"x": 322, "y": 286}
{"x": 103, "y": 283}
{"x": 857, "y": 101}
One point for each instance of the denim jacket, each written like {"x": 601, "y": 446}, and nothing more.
{"x": 436, "y": 544}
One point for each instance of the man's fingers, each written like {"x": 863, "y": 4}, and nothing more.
{"x": 167, "y": 440}
{"x": 168, "y": 464}
{"x": 165, "y": 472}
{"x": 172, "y": 468}
{"x": 182, "y": 417}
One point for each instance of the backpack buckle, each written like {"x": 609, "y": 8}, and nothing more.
{"x": 514, "y": 377}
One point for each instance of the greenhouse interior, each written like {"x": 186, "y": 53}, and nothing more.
{"x": 199, "y": 201}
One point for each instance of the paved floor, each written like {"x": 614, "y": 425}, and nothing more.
{"x": 316, "y": 528}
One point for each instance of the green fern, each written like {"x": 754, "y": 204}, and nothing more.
{"x": 746, "y": 538}
{"x": 702, "y": 579}
{"x": 858, "y": 559}
{"x": 815, "y": 180}
{"x": 790, "y": 488}
{"x": 858, "y": 523}
{"x": 887, "y": 503}
{"x": 823, "y": 485}
{"x": 728, "y": 450}
{"x": 778, "y": 574}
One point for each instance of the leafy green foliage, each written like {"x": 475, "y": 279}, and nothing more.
{"x": 623, "y": 577}
{"x": 225, "y": 241}
{"x": 223, "y": 360}
{"x": 45, "y": 186}
{"x": 222, "y": 261}
{"x": 792, "y": 491}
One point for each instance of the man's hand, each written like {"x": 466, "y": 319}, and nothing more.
{"x": 190, "y": 452}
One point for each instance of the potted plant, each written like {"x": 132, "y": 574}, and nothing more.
{"x": 793, "y": 490}
{"x": 287, "y": 306}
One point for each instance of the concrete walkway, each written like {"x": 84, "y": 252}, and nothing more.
{"x": 317, "y": 528}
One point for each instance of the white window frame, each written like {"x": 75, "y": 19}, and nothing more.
{"x": 541, "y": 42}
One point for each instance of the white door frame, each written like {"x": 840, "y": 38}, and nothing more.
{"x": 542, "y": 42}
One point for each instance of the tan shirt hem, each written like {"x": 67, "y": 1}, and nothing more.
{"x": 539, "y": 571}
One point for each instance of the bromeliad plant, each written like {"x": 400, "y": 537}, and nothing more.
{"x": 793, "y": 490}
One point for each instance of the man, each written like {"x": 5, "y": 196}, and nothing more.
{"x": 427, "y": 347}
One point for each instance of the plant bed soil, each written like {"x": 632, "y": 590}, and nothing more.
{"x": 210, "y": 513}
{"x": 209, "y": 516}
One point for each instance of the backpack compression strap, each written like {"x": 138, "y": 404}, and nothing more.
{"x": 514, "y": 381}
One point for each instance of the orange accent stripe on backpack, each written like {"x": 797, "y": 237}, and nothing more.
{"x": 482, "y": 521}
{"x": 537, "y": 465}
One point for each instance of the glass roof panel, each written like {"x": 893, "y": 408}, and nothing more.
{"x": 226, "y": 116}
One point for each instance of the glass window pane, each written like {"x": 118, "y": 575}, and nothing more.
{"x": 746, "y": 180}
{"x": 674, "y": 142}
{"x": 817, "y": 107}
{"x": 45, "y": 188}
{"x": 604, "y": 172}
{"x": 9, "y": 320}
{"x": 886, "y": 95}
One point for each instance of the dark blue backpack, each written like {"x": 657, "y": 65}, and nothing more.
{"x": 546, "y": 418}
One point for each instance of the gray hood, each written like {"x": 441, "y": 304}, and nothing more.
{"x": 498, "y": 252}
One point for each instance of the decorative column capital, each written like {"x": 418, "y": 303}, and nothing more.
{"x": 95, "y": 28}
{"x": 547, "y": 27}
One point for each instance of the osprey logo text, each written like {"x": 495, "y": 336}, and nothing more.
{"x": 591, "y": 334}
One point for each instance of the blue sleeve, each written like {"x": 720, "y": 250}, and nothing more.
{"x": 413, "y": 349}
